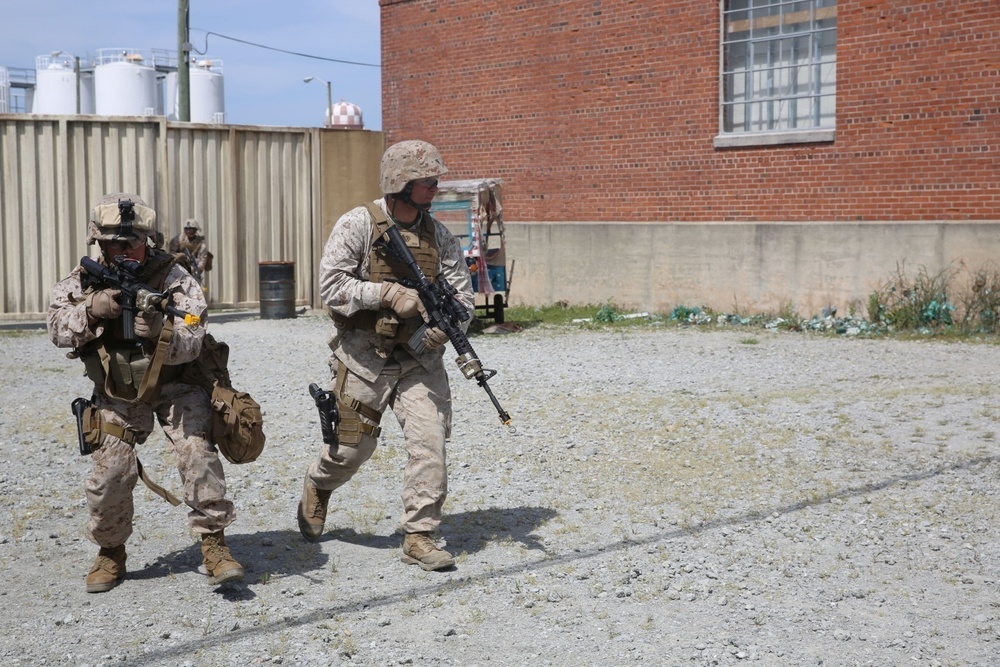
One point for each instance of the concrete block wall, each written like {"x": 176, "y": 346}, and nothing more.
{"x": 737, "y": 267}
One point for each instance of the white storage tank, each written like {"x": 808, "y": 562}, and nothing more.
{"x": 207, "y": 92}
{"x": 4, "y": 90}
{"x": 208, "y": 100}
{"x": 124, "y": 83}
{"x": 170, "y": 103}
{"x": 56, "y": 91}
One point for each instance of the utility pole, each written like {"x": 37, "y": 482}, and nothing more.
{"x": 183, "y": 63}
{"x": 76, "y": 70}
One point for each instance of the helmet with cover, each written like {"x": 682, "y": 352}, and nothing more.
{"x": 409, "y": 161}
{"x": 120, "y": 216}
{"x": 191, "y": 223}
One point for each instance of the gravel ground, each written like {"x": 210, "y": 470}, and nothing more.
{"x": 670, "y": 497}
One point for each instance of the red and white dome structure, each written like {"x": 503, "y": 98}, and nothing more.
{"x": 346, "y": 116}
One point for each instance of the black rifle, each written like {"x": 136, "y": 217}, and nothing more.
{"x": 136, "y": 297}
{"x": 329, "y": 415}
{"x": 79, "y": 406}
{"x": 195, "y": 271}
{"x": 446, "y": 313}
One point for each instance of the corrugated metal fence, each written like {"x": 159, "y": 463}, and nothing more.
{"x": 257, "y": 192}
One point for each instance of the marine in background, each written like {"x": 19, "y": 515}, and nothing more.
{"x": 136, "y": 358}
{"x": 190, "y": 243}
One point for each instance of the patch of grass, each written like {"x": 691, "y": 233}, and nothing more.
{"x": 789, "y": 317}
{"x": 561, "y": 313}
{"x": 21, "y": 333}
{"x": 557, "y": 313}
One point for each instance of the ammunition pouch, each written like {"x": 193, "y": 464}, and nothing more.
{"x": 237, "y": 425}
{"x": 351, "y": 429}
{"x": 127, "y": 368}
{"x": 126, "y": 373}
{"x": 387, "y": 323}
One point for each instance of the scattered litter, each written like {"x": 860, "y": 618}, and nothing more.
{"x": 629, "y": 316}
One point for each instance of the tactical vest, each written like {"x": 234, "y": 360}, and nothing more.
{"x": 118, "y": 366}
{"x": 421, "y": 239}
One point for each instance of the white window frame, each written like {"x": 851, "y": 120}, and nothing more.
{"x": 761, "y": 95}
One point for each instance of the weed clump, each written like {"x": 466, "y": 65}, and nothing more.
{"x": 920, "y": 302}
{"x": 906, "y": 303}
{"x": 980, "y": 302}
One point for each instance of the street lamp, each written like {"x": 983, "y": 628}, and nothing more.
{"x": 329, "y": 100}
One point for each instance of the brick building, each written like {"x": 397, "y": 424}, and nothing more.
{"x": 737, "y": 111}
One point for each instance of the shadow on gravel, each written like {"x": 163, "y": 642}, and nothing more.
{"x": 467, "y": 532}
{"x": 545, "y": 560}
{"x": 472, "y": 531}
{"x": 263, "y": 555}
{"x": 164, "y": 566}
{"x": 362, "y": 539}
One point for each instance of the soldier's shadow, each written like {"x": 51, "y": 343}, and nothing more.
{"x": 471, "y": 532}
{"x": 467, "y": 532}
{"x": 266, "y": 556}
{"x": 272, "y": 555}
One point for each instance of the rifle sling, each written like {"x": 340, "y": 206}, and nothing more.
{"x": 150, "y": 387}
{"x": 129, "y": 437}
{"x": 154, "y": 487}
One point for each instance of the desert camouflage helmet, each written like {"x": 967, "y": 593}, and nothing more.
{"x": 409, "y": 161}
{"x": 120, "y": 215}
{"x": 191, "y": 223}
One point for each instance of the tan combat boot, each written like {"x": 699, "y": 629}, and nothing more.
{"x": 420, "y": 549}
{"x": 108, "y": 570}
{"x": 219, "y": 563}
{"x": 312, "y": 510}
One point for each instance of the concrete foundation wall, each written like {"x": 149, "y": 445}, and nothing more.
{"x": 753, "y": 268}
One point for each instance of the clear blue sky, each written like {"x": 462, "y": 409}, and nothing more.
{"x": 262, "y": 86}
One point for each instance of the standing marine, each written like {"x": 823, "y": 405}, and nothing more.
{"x": 190, "y": 243}
{"x": 136, "y": 357}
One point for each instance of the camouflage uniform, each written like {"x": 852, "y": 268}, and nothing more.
{"x": 136, "y": 372}
{"x": 195, "y": 245}
{"x": 414, "y": 385}
{"x": 183, "y": 411}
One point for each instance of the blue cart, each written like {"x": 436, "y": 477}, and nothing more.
{"x": 472, "y": 211}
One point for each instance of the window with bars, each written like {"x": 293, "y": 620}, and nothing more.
{"x": 779, "y": 70}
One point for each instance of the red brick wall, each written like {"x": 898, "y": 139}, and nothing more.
{"x": 594, "y": 110}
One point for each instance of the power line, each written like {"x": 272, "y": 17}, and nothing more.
{"x": 272, "y": 48}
